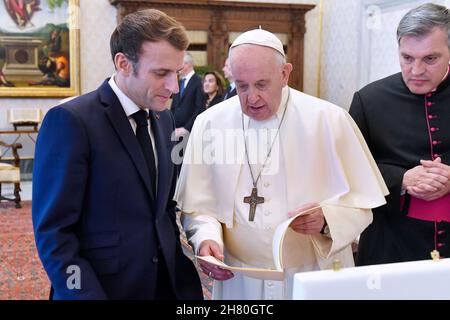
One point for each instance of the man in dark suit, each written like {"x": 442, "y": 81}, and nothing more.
{"x": 103, "y": 213}
{"x": 231, "y": 89}
{"x": 405, "y": 119}
{"x": 188, "y": 103}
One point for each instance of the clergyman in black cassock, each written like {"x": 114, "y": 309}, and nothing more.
{"x": 405, "y": 118}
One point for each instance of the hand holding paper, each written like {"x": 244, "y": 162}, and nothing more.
{"x": 210, "y": 248}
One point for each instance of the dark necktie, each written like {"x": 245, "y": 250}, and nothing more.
{"x": 143, "y": 137}
{"x": 182, "y": 82}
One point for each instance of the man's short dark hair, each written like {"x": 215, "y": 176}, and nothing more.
{"x": 146, "y": 25}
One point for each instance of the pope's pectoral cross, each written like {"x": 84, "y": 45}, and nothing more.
{"x": 253, "y": 200}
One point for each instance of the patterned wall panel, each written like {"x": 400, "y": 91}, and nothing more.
{"x": 339, "y": 56}
{"x": 98, "y": 20}
{"x": 311, "y": 66}
{"x": 383, "y": 49}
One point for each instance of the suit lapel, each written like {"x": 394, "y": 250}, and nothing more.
{"x": 165, "y": 171}
{"x": 176, "y": 101}
{"x": 121, "y": 125}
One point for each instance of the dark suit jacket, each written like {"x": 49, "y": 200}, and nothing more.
{"x": 93, "y": 207}
{"x": 229, "y": 93}
{"x": 186, "y": 108}
{"x": 397, "y": 126}
{"x": 217, "y": 99}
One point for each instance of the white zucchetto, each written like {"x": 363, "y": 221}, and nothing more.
{"x": 259, "y": 37}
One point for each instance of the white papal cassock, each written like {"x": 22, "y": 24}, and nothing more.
{"x": 320, "y": 156}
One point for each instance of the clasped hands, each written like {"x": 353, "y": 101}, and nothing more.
{"x": 428, "y": 181}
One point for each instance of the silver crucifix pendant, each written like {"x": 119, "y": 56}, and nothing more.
{"x": 253, "y": 200}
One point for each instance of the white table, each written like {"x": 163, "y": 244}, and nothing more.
{"x": 426, "y": 279}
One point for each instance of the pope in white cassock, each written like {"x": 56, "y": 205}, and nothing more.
{"x": 263, "y": 156}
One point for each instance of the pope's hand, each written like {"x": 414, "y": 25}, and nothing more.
{"x": 181, "y": 132}
{"x": 212, "y": 248}
{"x": 311, "y": 223}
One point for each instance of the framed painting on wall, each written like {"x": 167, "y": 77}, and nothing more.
{"x": 39, "y": 48}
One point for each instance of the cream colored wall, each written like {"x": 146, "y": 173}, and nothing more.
{"x": 98, "y": 20}
{"x": 339, "y": 51}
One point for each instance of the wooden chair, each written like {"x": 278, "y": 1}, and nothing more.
{"x": 10, "y": 173}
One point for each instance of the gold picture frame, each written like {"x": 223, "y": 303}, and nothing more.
{"x": 39, "y": 48}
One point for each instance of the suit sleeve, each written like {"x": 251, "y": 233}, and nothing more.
{"x": 392, "y": 174}
{"x": 172, "y": 204}
{"x": 61, "y": 172}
